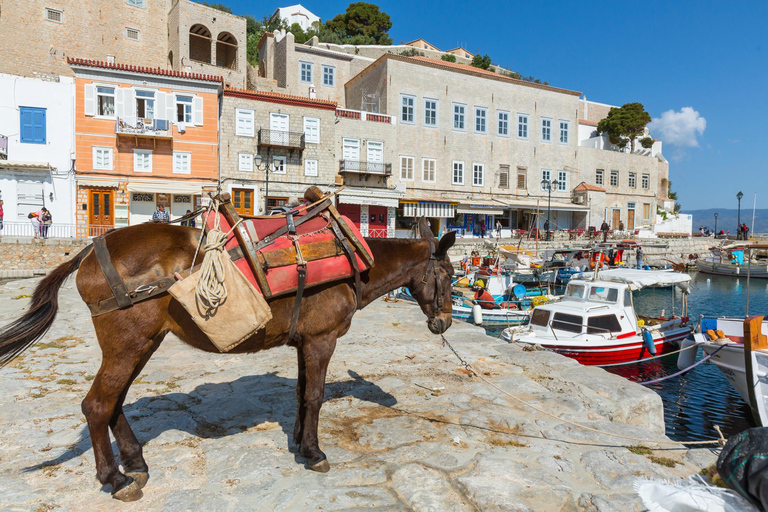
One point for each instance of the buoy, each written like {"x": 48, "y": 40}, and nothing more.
{"x": 477, "y": 314}
{"x": 519, "y": 291}
{"x": 686, "y": 358}
{"x": 648, "y": 341}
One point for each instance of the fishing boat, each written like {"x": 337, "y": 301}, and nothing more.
{"x": 734, "y": 259}
{"x": 595, "y": 322}
{"x": 744, "y": 365}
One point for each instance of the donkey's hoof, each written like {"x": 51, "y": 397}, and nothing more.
{"x": 321, "y": 467}
{"x": 130, "y": 492}
{"x": 140, "y": 477}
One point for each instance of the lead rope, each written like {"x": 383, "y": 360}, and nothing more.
{"x": 469, "y": 368}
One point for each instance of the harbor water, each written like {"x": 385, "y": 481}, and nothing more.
{"x": 697, "y": 400}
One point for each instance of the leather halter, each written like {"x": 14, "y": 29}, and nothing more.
{"x": 431, "y": 269}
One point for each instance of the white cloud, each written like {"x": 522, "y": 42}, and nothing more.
{"x": 681, "y": 129}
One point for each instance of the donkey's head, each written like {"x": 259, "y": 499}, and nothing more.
{"x": 431, "y": 287}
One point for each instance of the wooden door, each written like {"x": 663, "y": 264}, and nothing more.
{"x": 278, "y": 126}
{"x": 616, "y": 219}
{"x": 242, "y": 200}
{"x": 631, "y": 219}
{"x": 101, "y": 211}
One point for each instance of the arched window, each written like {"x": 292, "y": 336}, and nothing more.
{"x": 200, "y": 44}
{"x": 226, "y": 51}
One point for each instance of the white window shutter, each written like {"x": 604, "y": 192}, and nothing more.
{"x": 170, "y": 108}
{"x": 119, "y": 102}
{"x": 160, "y": 99}
{"x": 197, "y": 111}
{"x": 90, "y": 100}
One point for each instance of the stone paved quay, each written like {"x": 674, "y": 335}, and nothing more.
{"x": 404, "y": 427}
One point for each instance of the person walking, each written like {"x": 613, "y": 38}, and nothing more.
{"x": 746, "y": 232}
{"x": 546, "y": 228}
{"x": 34, "y": 218}
{"x": 190, "y": 223}
{"x": 621, "y": 226}
{"x": 46, "y": 219}
{"x": 482, "y": 228}
{"x": 604, "y": 229}
{"x": 1, "y": 217}
{"x": 498, "y": 229}
{"x": 161, "y": 215}
{"x": 639, "y": 257}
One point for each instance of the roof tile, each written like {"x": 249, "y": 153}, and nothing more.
{"x": 277, "y": 97}
{"x": 142, "y": 69}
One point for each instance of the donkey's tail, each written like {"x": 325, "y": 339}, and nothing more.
{"x": 20, "y": 334}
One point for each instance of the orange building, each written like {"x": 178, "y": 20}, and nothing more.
{"x": 144, "y": 138}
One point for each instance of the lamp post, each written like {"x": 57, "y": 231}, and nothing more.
{"x": 738, "y": 230}
{"x": 547, "y": 185}
{"x": 715, "y": 224}
{"x": 264, "y": 164}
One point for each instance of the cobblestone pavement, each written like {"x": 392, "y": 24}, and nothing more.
{"x": 404, "y": 426}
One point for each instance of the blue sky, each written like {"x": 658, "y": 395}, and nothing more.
{"x": 704, "y": 61}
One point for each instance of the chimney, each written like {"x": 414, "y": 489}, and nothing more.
{"x": 312, "y": 94}
{"x": 110, "y": 58}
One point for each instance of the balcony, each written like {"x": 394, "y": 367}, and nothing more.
{"x": 3, "y": 147}
{"x": 143, "y": 128}
{"x": 357, "y": 167}
{"x": 281, "y": 139}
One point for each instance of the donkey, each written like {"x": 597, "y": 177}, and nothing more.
{"x": 129, "y": 337}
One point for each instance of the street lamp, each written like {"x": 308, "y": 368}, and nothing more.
{"x": 264, "y": 165}
{"x": 547, "y": 185}
{"x": 715, "y": 224}
{"x": 738, "y": 231}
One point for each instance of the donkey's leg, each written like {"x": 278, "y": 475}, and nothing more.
{"x": 99, "y": 406}
{"x": 301, "y": 387}
{"x": 317, "y": 353}
{"x": 131, "y": 454}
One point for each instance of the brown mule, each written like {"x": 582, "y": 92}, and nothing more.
{"x": 129, "y": 337}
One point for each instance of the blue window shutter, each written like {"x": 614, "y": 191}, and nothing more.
{"x": 40, "y": 126}
{"x": 27, "y": 125}
{"x": 33, "y": 125}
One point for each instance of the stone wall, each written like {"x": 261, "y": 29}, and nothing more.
{"x": 25, "y": 257}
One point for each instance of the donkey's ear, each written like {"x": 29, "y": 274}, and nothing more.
{"x": 424, "y": 230}
{"x": 446, "y": 242}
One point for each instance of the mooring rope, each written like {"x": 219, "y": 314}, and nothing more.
{"x": 702, "y": 360}
{"x": 470, "y": 369}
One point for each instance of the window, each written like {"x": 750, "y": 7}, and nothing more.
{"x": 562, "y": 181}
{"x": 245, "y": 162}
{"x": 646, "y": 211}
{"x": 406, "y": 111}
{"x": 522, "y": 126}
{"x": 503, "y": 176}
{"x": 540, "y": 317}
{"x": 310, "y": 167}
{"x": 546, "y": 175}
{"x": 305, "y": 69}
{"x": 564, "y": 132}
{"x": 351, "y": 149}
{"x": 274, "y": 202}
{"x": 33, "y": 126}
{"x": 646, "y": 181}
{"x": 430, "y": 112}
{"x": 329, "y": 76}
{"x": 478, "y": 170}
{"x": 614, "y": 178}
{"x": 102, "y": 158}
{"x": 566, "y": 322}
{"x": 459, "y": 112}
{"x": 603, "y": 324}
{"x": 406, "y": 168}
{"x": 278, "y": 164}
{"x": 132, "y": 34}
{"x": 54, "y": 15}
{"x": 428, "y": 170}
{"x": 105, "y": 101}
{"x": 137, "y": 3}
{"x": 184, "y": 109}
{"x": 142, "y": 160}
{"x": 631, "y": 205}
{"x": 521, "y": 178}
{"x": 182, "y": 162}
{"x": 599, "y": 177}
{"x": 575, "y": 291}
{"x": 312, "y": 130}
{"x": 546, "y": 130}
{"x": 603, "y": 294}
{"x": 481, "y": 114}
{"x": 503, "y": 129}
{"x": 632, "y": 182}
{"x": 375, "y": 155}
{"x": 244, "y": 122}
{"x": 145, "y": 104}
{"x": 458, "y": 173}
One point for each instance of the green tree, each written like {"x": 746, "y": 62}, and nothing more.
{"x": 299, "y": 35}
{"x": 624, "y": 124}
{"x": 213, "y": 5}
{"x": 448, "y": 57}
{"x": 673, "y": 196}
{"x": 481, "y": 61}
{"x": 254, "y": 30}
{"x": 362, "y": 23}
{"x": 647, "y": 142}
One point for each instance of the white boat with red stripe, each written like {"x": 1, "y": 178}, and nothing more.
{"x": 595, "y": 322}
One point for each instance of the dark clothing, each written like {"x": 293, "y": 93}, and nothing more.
{"x": 604, "y": 229}
{"x": 189, "y": 223}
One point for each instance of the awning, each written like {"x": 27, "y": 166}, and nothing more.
{"x": 98, "y": 183}
{"x": 482, "y": 207}
{"x": 370, "y": 197}
{"x": 529, "y": 204}
{"x": 165, "y": 188}
{"x": 639, "y": 279}
{"x": 26, "y": 166}
{"x": 428, "y": 209}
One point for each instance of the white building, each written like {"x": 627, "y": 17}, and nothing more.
{"x": 37, "y": 152}
{"x": 296, "y": 14}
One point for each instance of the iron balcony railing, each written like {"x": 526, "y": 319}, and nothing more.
{"x": 358, "y": 167}
{"x": 282, "y": 139}
{"x": 3, "y": 147}
{"x": 143, "y": 127}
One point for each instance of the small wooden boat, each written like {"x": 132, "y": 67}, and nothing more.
{"x": 734, "y": 260}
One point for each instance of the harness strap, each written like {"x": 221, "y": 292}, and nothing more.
{"x": 352, "y": 260}
{"x": 297, "y": 302}
{"x": 314, "y": 212}
{"x": 115, "y": 282}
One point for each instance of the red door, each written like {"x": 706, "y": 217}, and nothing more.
{"x": 352, "y": 211}
{"x": 377, "y": 221}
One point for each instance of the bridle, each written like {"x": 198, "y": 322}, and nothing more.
{"x": 431, "y": 269}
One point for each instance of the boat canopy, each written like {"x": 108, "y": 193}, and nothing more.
{"x": 639, "y": 279}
